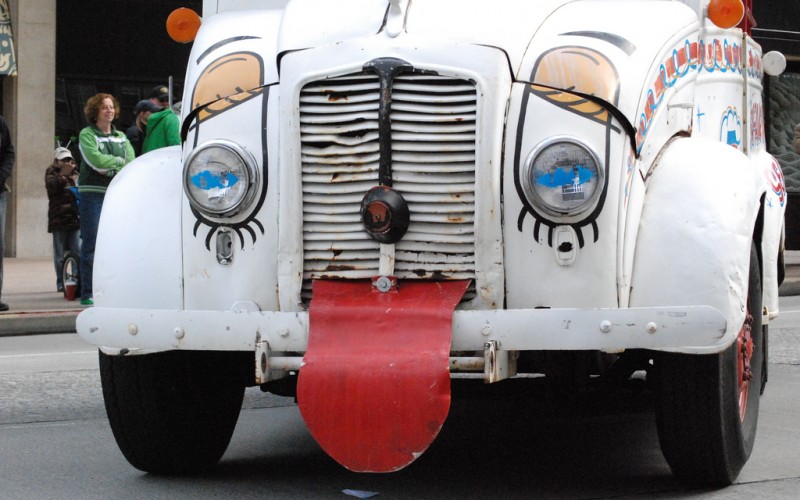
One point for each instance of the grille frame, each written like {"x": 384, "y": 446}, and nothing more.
{"x": 434, "y": 162}
{"x": 486, "y": 66}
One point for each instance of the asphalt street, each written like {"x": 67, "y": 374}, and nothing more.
{"x": 55, "y": 442}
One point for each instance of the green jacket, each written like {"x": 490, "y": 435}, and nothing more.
{"x": 163, "y": 129}
{"x": 102, "y": 157}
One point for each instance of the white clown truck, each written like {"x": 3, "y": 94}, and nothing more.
{"x": 374, "y": 198}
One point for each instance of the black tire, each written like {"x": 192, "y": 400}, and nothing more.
{"x": 174, "y": 412}
{"x": 70, "y": 271}
{"x": 706, "y": 432}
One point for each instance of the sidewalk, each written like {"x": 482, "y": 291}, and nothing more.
{"x": 29, "y": 289}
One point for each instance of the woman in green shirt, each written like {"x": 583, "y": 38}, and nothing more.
{"x": 104, "y": 151}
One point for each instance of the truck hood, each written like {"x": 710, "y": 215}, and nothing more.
{"x": 523, "y": 30}
{"x": 505, "y": 24}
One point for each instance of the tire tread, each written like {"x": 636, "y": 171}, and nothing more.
{"x": 172, "y": 412}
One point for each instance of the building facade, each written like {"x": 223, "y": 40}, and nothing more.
{"x": 65, "y": 52}
{"x": 27, "y": 106}
{"x": 778, "y": 29}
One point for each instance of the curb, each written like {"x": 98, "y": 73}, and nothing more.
{"x": 789, "y": 288}
{"x": 32, "y": 323}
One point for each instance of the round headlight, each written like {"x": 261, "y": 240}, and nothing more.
{"x": 562, "y": 177}
{"x": 220, "y": 178}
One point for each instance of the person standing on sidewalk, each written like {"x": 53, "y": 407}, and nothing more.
{"x": 62, "y": 211}
{"x": 160, "y": 96}
{"x": 163, "y": 129}
{"x": 104, "y": 151}
{"x": 7, "y": 157}
{"x": 136, "y": 132}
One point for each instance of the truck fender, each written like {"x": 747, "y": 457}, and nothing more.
{"x": 693, "y": 246}
{"x": 137, "y": 261}
{"x": 772, "y": 230}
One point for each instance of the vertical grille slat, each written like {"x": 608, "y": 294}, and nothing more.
{"x": 433, "y": 130}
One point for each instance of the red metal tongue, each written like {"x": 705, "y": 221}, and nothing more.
{"x": 374, "y": 388}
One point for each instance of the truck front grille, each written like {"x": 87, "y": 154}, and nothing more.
{"x": 433, "y": 126}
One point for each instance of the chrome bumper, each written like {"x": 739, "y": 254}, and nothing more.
{"x": 692, "y": 329}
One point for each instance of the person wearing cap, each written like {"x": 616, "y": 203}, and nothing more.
{"x": 104, "y": 152}
{"x": 7, "y": 158}
{"x": 160, "y": 96}
{"x": 164, "y": 129}
{"x": 62, "y": 210}
{"x": 136, "y": 132}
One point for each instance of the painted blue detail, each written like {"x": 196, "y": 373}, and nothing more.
{"x": 730, "y": 128}
{"x": 564, "y": 176}
{"x": 209, "y": 180}
{"x": 732, "y": 140}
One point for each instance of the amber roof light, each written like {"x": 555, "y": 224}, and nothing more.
{"x": 183, "y": 24}
{"x": 726, "y": 13}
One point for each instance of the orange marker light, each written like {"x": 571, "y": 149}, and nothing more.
{"x": 726, "y": 13}
{"x": 183, "y": 24}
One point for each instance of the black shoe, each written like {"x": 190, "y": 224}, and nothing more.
{"x": 3, "y": 306}
{"x": 60, "y": 289}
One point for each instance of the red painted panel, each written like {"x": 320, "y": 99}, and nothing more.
{"x": 374, "y": 388}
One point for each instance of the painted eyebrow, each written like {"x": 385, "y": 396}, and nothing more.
{"x": 224, "y": 42}
{"x": 622, "y": 43}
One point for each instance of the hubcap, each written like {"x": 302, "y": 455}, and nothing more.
{"x": 744, "y": 351}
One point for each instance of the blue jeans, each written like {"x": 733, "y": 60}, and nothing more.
{"x": 64, "y": 240}
{"x": 90, "y": 207}
{"x": 3, "y": 209}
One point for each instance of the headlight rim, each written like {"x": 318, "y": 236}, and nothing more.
{"x": 537, "y": 203}
{"x": 253, "y": 178}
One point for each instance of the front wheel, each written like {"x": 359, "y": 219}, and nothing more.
{"x": 707, "y": 405}
{"x": 173, "y": 412}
